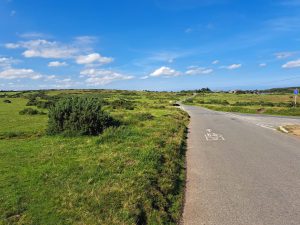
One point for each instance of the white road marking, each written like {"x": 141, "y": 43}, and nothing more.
{"x": 211, "y": 136}
{"x": 266, "y": 126}
{"x": 251, "y": 120}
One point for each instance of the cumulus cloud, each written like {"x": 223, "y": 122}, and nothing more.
{"x": 44, "y": 49}
{"x": 93, "y": 58}
{"x": 12, "y": 73}
{"x": 233, "y": 66}
{"x": 292, "y": 64}
{"x": 165, "y": 72}
{"x": 198, "y": 71}
{"x": 102, "y": 77}
{"x": 57, "y": 64}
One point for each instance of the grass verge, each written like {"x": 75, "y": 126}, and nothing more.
{"x": 132, "y": 174}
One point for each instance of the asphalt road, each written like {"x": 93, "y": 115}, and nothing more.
{"x": 240, "y": 170}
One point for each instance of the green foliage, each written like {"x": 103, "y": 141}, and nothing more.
{"x": 189, "y": 100}
{"x": 217, "y": 102}
{"x": 30, "y": 111}
{"x": 144, "y": 116}
{"x": 79, "y": 116}
{"x": 122, "y": 103}
{"x": 130, "y": 174}
{"x": 6, "y": 101}
{"x": 275, "y": 104}
{"x": 45, "y": 104}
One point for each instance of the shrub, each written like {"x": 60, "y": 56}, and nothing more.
{"x": 44, "y": 104}
{"x": 79, "y": 116}
{"x": 122, "y": 103}
{"x": 31, "y": 102}
{"x": 29, "y": 111}
{"x": 7, "y": 101}
{"x": 217, "y": 102}
{"x": 144, "y": 116}
{"x": 189, "y": 100}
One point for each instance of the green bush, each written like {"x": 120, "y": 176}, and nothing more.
{"x": 7, "y": 101}
{"x": 29, "y": 111}
{"x": 79, "y": 116}
{"x": 122, "y": 103}
{"x": 44, "y": 104}
{"x": 144, "y": 116}
{"x": 189, "y": 100}
{"x": 217, "y": 102}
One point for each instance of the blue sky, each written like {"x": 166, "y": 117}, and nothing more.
{"x": 149, "y": 44}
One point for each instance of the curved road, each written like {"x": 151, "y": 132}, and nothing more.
{"x": 240, "y": 170}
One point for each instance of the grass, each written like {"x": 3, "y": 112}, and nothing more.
{"x": 273, "y": 104}
{"x": 133, "y": 174}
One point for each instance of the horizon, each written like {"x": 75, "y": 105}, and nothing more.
{"x": 181, "y": 90}
{"x": 155, "y": 45}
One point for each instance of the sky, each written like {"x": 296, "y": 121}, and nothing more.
{"x": 149, "y": 44}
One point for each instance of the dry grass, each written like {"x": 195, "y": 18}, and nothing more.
{"x": 293, "y": 129}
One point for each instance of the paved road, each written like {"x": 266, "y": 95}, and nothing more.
{"x": 240, "y": 171}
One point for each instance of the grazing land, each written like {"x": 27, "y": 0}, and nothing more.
{"x": 129, "y": 174}
{"x": 273, "y": 104}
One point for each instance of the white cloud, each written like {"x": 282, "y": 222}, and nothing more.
{"x": 262, "y": 64}
{"x": 102, "y": 77}
{"x": 7, "y": 62}
{"x": 166, "y": 56}
{"x": 32, "y": 35}
{"x": 50, "y": 77}
{"x": 93, "y": 58}
{"x": 198, "y": 71}
{"x": 232, "y": 67}
{"x": 215, "y": 62}
{"x": 57, "y": 64}
{"x": 44, "y": 49}
{"x": 165, "y": 72}
{"x": 85, "y": 40}
{"x": 160, "y": 56}
{"x": 292, "y": 64}
{"x": 144, "y": 77}
{"x": 19, "y": 73}
{"x": 12, "y": 45}
{"x": 284, "y": 55}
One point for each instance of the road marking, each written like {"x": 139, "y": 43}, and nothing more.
{"x": 267, "y": 126}
{"x": 251, "y": 120}
{"x": 211, "y": 136}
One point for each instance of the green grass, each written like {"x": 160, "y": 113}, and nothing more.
{"x": 133, "y": 174}
{"x": 273, "y": 104}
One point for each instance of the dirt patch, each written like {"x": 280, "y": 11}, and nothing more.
{"x": 261, "y": 110}
{"x": 293, "y": 129}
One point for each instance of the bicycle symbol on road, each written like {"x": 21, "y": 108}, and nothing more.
{"x": 211, "y": 136}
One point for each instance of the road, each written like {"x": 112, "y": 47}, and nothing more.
{"x": 240, "y": 170}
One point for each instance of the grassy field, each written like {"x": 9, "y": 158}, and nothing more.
{"x": 132, "y": 174}
{"x": 273, "y": 104}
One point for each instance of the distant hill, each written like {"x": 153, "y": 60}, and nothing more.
{"x": 287, "y": 90}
